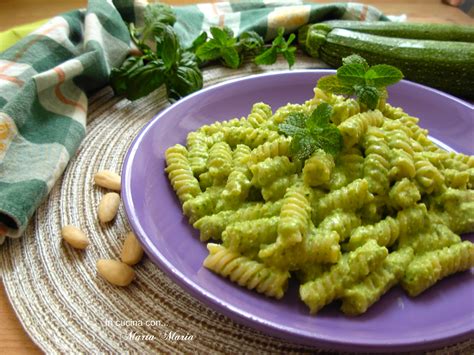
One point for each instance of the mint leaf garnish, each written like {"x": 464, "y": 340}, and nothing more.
{"x": 302, "y": 146}
{"x": 356, "y": 77}
{"x": 355, "y": 59}
{"x": 383, "y": 75}
{"x": 330, "y": 139}
{"x": 331, "y": 83}
{"x": 320, "y": 117}
{"x": 312, "y": 132}
{"x": 351, "y": 74}
{"x": 295, "y": 123}
{"x": 368, "y": 95}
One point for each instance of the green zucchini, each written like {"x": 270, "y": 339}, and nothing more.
{"x": 445, "y": 65}
{"x": 433, "y": 31}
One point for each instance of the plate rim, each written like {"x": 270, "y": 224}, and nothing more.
{"x": 243, "y": 317}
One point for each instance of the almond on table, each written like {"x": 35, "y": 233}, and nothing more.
{"x": 115, "y": 272}
{"x": 132, "y": 251}
{"x": 75, "y": 237}
{"x": 108, "y": 207}
{"x": 108, "y": 179}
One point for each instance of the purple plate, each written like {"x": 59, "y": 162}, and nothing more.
{"x": 440, "y": 316}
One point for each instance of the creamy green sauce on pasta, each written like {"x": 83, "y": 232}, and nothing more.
{"x": 387, "y": 210}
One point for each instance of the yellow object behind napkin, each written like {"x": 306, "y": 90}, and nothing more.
{"x": 13, "y": 35}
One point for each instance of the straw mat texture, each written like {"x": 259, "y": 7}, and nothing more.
{"x": 65, "y": 307}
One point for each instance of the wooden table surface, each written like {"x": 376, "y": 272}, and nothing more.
{"x": 13, "y": 338}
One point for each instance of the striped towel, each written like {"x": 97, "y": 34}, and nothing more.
{"x": 45, "y": 79}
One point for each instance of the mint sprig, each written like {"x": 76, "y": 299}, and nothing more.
{"x": 279, "y": 46}
{"x": 312, "y": 132}
{"x": 228, "y": 49}
{"x": 356, "y": 77}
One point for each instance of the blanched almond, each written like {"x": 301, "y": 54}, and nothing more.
{"x": 115, "y": 272}
{"x": 75, "y": 237}
{"x": 132, "y": 251}
{"x": 108, "y": 207}
{"x": 108, "y": 179}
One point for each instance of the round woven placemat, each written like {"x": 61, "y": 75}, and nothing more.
{"x": 58, "y": 297}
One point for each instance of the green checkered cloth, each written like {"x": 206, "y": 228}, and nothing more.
{"x": 46, "y": 77}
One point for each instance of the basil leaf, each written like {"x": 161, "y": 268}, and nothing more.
{"x": 158, "y": 13}
{"x": 368, "y": 95}
{"x": 186, "y": 79}
{"x": 169, "y": 47}
{"x": 383, "y": 75}
{"x": 351, "y": 74}
{"x": 143, "y": 80}
{"x": 250, "y": 42}
{"x": 331, "y": 83}
{"x": 118, "y": 76}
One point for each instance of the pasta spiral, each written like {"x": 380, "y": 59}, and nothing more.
{"x": 403, "y": 194}
{"x": 259, "y": 115}
{"x": 425, "y": 270}
{"x": 318, "y": 168}
{"x": 267, "y": 171}
{"x": 180, "y": 173}
{"x": 348, "y": 198}
{"x": 294, "y": 220}
{"x": 376, "y": 163}
{"x": 354, "y": 128}
{"x": 219, "y": 162}
{"x": 387, "y": 231}
{"x": 203, "y": 204}
{"x": 319, "y": 246}
{"x": 198, "y": 152}
{"x": 283, "y": 112}
{"x": 218, "y": 126}
{"x": 249, "y": 235}
{"x": 350, "y": 269}
{"x": 402, "y": 164}
{"x": 428, "y": 177}
{"x": 342, "y": 222}
{"x": 246, "y": 272}
{"x": 212, "y": 226}
{"x": 437, "y": 237}
{"x": 341, "y": 111}
{"x": 278, "y": 147}
{"x": 456, "y": 179}
{"x": 253, "y": 137}
{"x": 357, "y": 299}
{"x": 277, "y": 189}
{"x": 238, "y": 182}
